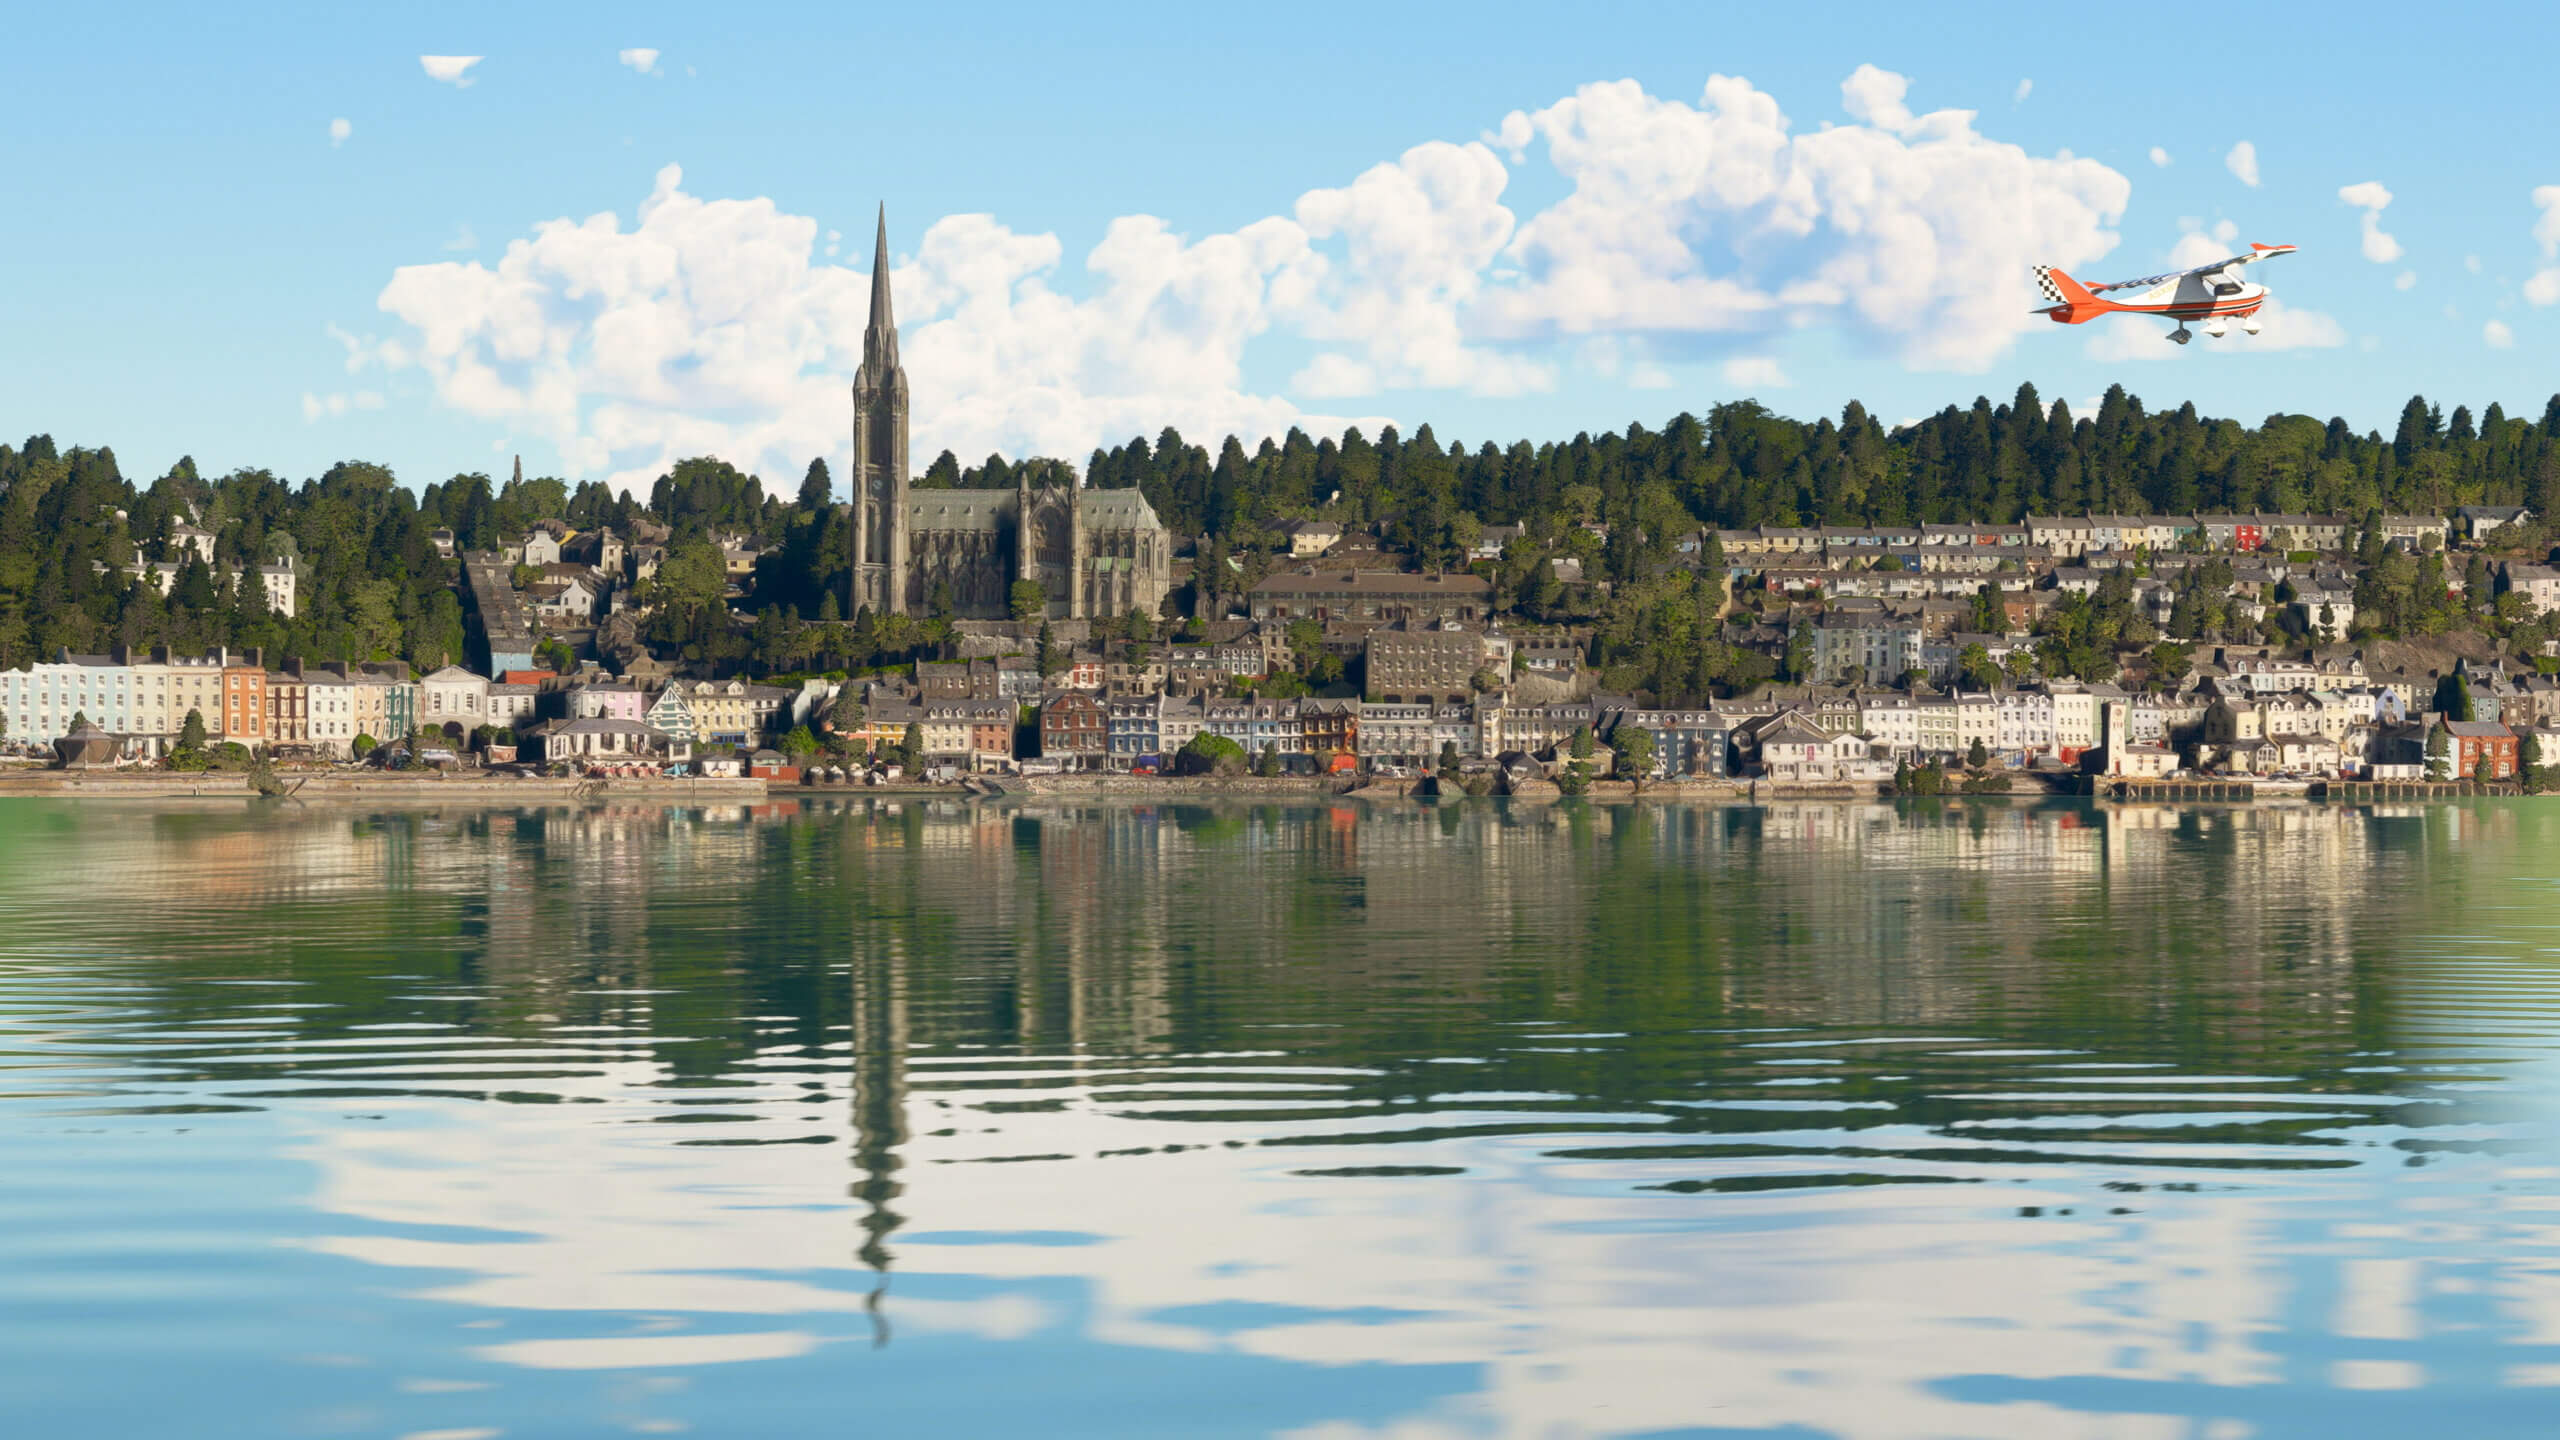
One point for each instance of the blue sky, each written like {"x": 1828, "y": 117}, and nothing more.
{"x": 197, "y": 265}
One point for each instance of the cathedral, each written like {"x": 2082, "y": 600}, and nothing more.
{"x": 1098, "y": 554}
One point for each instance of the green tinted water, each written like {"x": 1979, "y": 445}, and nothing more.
{"x": 1330, "y": 1122}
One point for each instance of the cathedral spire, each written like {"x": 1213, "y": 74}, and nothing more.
{"x": 880, "y": 338}
{"x": 879, "y": 475}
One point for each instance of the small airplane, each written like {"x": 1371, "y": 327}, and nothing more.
{"x": 2214, "y": 294}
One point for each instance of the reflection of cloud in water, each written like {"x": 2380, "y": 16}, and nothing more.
{"x": 1833, "y": 1309}
{"x": 634, "y": 1352}
{"x": 1051, "y": 983}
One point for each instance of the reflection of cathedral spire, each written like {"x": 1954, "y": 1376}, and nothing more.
{"x": 879, "y": 1111}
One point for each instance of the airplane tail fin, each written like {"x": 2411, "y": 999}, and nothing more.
{"x": 2072, "y": 301}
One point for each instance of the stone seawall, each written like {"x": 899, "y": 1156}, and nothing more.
{"x": 1337, "y": 787}
{"x": 396, "y": 787}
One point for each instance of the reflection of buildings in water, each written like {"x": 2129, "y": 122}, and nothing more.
{"x": 1067, "y": 954}
{"x": 1952, "y": 908}
{"x": 1105, "y": 912}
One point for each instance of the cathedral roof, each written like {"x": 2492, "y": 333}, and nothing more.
{"x": 958, "y": 509}
{"x": 1117, "y": 510}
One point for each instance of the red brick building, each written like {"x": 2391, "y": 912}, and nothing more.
{"x": 1074, "y": 728}
{"x": 2475, "y": 740}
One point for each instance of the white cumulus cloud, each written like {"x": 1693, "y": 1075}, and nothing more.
{"x": 1754, "y": 372}
{"x": 1719, "y": 220}
{"x": 642, "y": 60}
{"x": 2025, "y": 88}
{"x": 1420, "y": 234}
{"x": 706, "y": 328}
{"x": 453, "y": 70}
{"x": 315, "y": 407}
{"x": 1692, "y": 232}
{"x": 1876, "y": 97}
{"x": 2497, "y": 336}
{"x": 2159, "y": 157}
{"x": 2372, "y": 199}
{"x": 2242, "y": 162}
{"x": 2543, "y": 287}
{"x": 339, "y": 130}
{"x": 2405, "y": 280}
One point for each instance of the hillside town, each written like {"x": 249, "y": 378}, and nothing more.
{"x": 2143, "y": 647}
{"x": 1735, "y": 597}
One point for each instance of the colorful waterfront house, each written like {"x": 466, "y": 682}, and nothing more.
{"x": 672, "y": 713}
{"x": 288, "y": 709}
{"x": 38, "y": 703}
{"x": 512, "y": 704}
{"x": 2478, "y": 740}
{"x": 1132, "y": 726}
{"x": 602, "y": 701}
{"x": 886, "y": 714}
{"x": 1074, "y": 728}
{"x": 453, "y": 697}
{"x": 2143, "y": 762}
{"x": 399, "y": 697}
{"x": 244, "y": 700}
{"x": 990, "y": 732}
{"x": 603, "y": 739}
{"x": 735, "y": 712}
{"x": 1332, "y": 727}
{"x": 1685, "y": 742}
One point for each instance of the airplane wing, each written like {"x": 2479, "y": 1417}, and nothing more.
{"x": 2256, "y": 253}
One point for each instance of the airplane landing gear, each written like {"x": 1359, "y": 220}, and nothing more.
{"x": 2182, "y": 335}
{"x": 2250, "y": 326}
{"x": 2217, "y": 329}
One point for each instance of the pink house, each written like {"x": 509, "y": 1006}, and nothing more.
{"x": 608, "y": 702}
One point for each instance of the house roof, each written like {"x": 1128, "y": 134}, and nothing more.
{"x": 603, "y": 725}
{"x": 1794, "y": 729}
{"x": 1312, "y": 581}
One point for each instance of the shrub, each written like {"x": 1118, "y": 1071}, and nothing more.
{"x": 1207, "y": 754}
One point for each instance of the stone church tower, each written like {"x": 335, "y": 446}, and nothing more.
{"x": 880, "y": 453}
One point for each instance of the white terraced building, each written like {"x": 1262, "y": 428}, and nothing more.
{"x": 148, "y": 698}
{"x": 39, "y": 703}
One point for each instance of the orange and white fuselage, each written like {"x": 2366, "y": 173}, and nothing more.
{"x": 2212, "y": 294}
